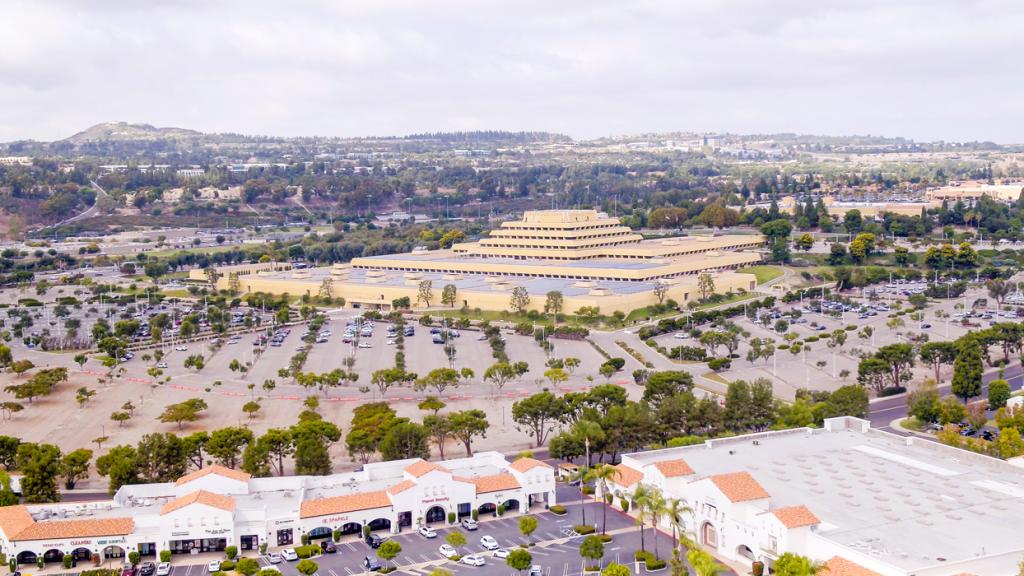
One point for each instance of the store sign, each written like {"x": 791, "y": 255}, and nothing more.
{"x": 282, "y": 522}
{"x": 216, "y": 531}
{"x": 81, "y": 542}
{"x": 112, "y": 541}
{"x": 334, "y": 519}
{"x": 431, "y": 500}
{"x": 179, "y": 533}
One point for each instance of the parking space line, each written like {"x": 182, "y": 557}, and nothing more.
{"x": 332, "y": 572}
{"x": 425, "y": 557}
{"x": 349, "y": 570}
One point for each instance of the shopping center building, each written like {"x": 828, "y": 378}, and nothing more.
{"x": 864, "y": 501}
{"x": 216, "y": 507}
{"x": 591, "y": 258}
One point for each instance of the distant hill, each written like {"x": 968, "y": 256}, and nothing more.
{"x": 125, "y": 132}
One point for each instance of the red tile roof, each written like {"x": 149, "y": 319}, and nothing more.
{"x": 796, "y": 516}
{"x": 626, "y": 476}
{"x": 421, "y": 467}
{"x": 674, "y": 468}
{"x": 401, "y": 487}
{"x": 839, "y": 566}
{"x": 199, "y": 497}
{"x": 14, "y": 519}
{"x": 739, "y": 487}
{"x": 347, "y": 503}
{"x": 214, "y": 469}
{"x": 494, "y": 483}
{"x": 526, "y": 464}
{"x": 77, "y": 529}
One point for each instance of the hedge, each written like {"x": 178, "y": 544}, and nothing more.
{"x": 557, "y": 509}
{"x": 584, "y": 529}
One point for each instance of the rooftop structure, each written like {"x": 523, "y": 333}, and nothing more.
{"x": 839, "y": 208}
{"x": 891, "y": 505}
{"x": 970, "y": 191}
{"x": 592, "y": 259}
{"x": 215, "y": 507}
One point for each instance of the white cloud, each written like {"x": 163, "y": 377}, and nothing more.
{"x": 946, "y": 69}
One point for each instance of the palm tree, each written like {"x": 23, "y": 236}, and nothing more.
{"x": 656, "y": 510}
{"x": 675, "y": 511}
{"x": 582, "y": 475}
{"x": 640, "y": 496}
{"x": 602, "y": 475}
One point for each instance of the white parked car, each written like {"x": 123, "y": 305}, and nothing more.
{"x": 162, "y": 365}
{"x": 289, "y": 554}
{"x": 163, "y": 569}
{"x": 501, "y": 553}
{"x": 181, "y": 348}
{"x": 274, "y": 558}
{"x": 365, "y": 344}
{"x": 469, "y": 524}
{"x": 428, "y": 532}
{"x": 681, "y": 336}
{"x": 213, "y": 566}
{"x": 448, "y": 551}
{"x": 473, "y": 560}
{"x": 489, "y": 542}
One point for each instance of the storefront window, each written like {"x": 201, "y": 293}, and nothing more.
{"x": 284, "y": 537}
{"x": 250, "y": 542}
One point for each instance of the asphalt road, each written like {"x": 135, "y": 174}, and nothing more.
{"x": 884, "y": 411}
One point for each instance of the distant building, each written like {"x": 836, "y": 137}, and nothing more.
{"x": 971, "y": 191}
{"x": 15, "y": 160}
{"x": 191, "y": 172}
{"x": 592, "y": 259}
{"x": 839, "y": 208}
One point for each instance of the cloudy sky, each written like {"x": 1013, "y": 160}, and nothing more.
{"x": 926, "y": 69}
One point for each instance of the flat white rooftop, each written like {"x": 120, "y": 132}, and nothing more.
{"x": 910, "y": 503}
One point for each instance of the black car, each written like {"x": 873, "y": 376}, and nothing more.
{"x": 147, "y": 569}
{"x": 327, "y": 547}
{"x": 371, "y": 564}
{"x": 374, "y": 541}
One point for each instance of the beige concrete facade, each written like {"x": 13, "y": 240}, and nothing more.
{"x": 968, "y": 191}
{"x": 612, "y": 271}
{"x": 839, "y": 209}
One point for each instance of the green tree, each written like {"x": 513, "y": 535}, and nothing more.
{"x": 704, "y": 564}
{"x": 247, "y": 566}
{"x": 74, "y": 466}
{"x": 405, "y": 440}
{"x": 307, "y": 567}
{"x": 120, "y": 465}
{"x": 519, "y": 300}
{"x": 592, "y": 548}
{"x": 39, "y": 465}
{"x": 615, "y": 569}
{"x": 553, "y": 303}
{"x": 388, "y": 550}
{"x": 449, "y": 295}
{"x": 556, "y": 376}
{"x": 790, "y": 564}
{"x": 226, "y": 445}
{"x": 251, "y": 408}
{"x": 7, "y": 495}
{"x": 519, "y": 559}
{"x": 538, "y": 414}
{"x": 967, "y": 369}
{"x": 439, "y": 379}
{"x": 425, "y": 293}
{"x": 998, "y": 394}
{"x": 527, "y": 526}
{"x": 455, "y": 539}
{"x": 187, "y": 411}
{"x": 468, "y": 424}
{"x": 938, "y": 354}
